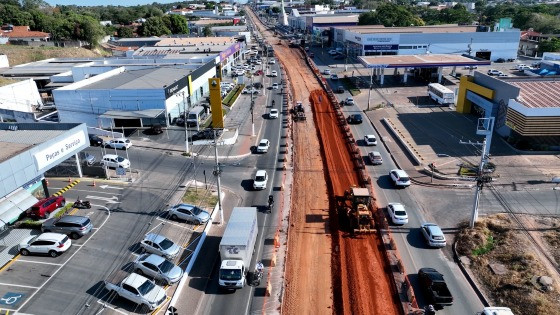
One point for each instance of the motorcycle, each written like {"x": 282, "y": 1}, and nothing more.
{"x": 257, "y": 277}
{"x": 82, "y": 204}
{"x": 270, "y": 203}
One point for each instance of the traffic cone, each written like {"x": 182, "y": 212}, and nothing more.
{"x": 69, "y": 179}
{"x": 93, "y": 183}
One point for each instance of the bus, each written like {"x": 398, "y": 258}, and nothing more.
{"x": 441, "y": 94}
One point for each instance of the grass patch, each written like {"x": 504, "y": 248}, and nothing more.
{"x": 28, "y": 224}
{"x": 233, "y": 94}
{"x": 200, "y": 197}
{"x": 62, "y": 212}
{"x": 350, "y": 86}
{"x": 485, "y": 248}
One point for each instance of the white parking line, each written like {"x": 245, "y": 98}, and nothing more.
{"x": 38, "y": 262}
{"x": 172, "y": 223}
{"x": 19, "y": 285}
{"x": 109, "y": 306}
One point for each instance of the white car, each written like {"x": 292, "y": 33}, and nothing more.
{"x": 160, "y": 245}
{"x": 397, "y": 213}
{"x": 115, "y": 161}
{"x": 370, "y": 140}
{"x": 263, "y": 146}
{"x": 188, "y": 213}
{"x": 271, "y": 61}
{"x": 273, "y": 73}
{"x": 349, "y": 101}
{"x": 521, "y": 66}
{"x": 400, "y": 178}
{"x": 240, "y": 72}
{"x": 258, "y": 61}
{"x": 327, "y": 71}
{"x": 273, "y": 113}
{"x": 493, "y": 72}
{"x": 275, "y": 86}
{"x": 253, "y": 67}
{"x": 433, "y": 235}
{"x": 118, "y": 143}
{"x": 332, "y": 52}
{"x": 261, "y": 178}
{"x": 52, "y": 244}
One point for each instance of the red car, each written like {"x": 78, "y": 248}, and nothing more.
{"x": 259, "y": 72}
{"x": 42, "y": 208}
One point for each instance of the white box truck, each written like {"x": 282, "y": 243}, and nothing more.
{"x": 237, "y": 247}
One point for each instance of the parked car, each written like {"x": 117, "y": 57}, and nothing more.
{"x": 332, "y": 52}
{"x": 263, "y": 146}
{"x": 340, "y": 57}
{"x": 433, "y": 235}
{"x": 493, "y": 72}
{"x": 273, "y": 113}
{"x": 271, "y": 61}
{"x": 273, "y": 73}
{"x": 188, "y": 213}
{"x": 95, "y": 141}
{"x": 435, "y": 287}
{"x": 470, "y": 67}
{"x": 354, "y": 119}
{"x": 115, "y": 161}
{"x": 340, "y": 89}
{"x": 521, "y": 66}
{"x": 495, "y": 310}
{"x": 139, "y": 290}
{"x": 275, "y": 86}
{"x": 260, "y": 181}
{"x": 311, "y": 55}
{"x": 45, "y": 206}
{"x": 500, "y": 60}
{"x": 257, "y": 85}
{"x": 334, "y": 76}
{"x": 349, "y": 101}
{"x": 160, "y": 245}
{"x": 52, "y": 244}
{"x": 158, "y": 268}
{"x": 400, "y": 178}
{"x": 156, "y": 129}
{"x": 118, "y": 143}
{"x": 74, "y": 225}
{"x": 397, "y": 213}
{"x": 246, "y": 90}
{"x": 375, "y": 158}
{"x": 327, "y": 72}
{"x": 370, "y": 140}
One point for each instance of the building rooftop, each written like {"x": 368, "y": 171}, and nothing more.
{"x": 15, "y": 142}
{"x": 420, "y": 61}
{"x": 187, "y": 52}
{"x": 538, "y": 93}
{"x": 212, "y": 21}
{"x": 329, "y": 18}
{"x": 154, "y": 78}
{"x": 196, "y": 41}
{"x": 23, "y": 32}
{"x": 46, "y": 67}
{"x": 373, "y": 29}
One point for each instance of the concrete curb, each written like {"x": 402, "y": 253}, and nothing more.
{"x": 469, "y": 277}
{"x": 414, "y": 155}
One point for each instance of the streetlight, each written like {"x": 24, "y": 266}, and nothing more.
{"x": 185, "y": 121}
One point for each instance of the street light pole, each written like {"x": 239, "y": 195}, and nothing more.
{"x": 185, "y": 121}
{"x": 370, "y": 88}
{"x": 252, "y": 106}
{"x": 217, "y": 172}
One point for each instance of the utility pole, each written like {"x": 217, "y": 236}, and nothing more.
{"x": 481, "y": 179}
{"x": 346, "y": 59}
{"x": 370, "y": 88}
{"x": 185, "y": 121}
{"x": 217, "y": 172}
{"x": 252, "y": 106}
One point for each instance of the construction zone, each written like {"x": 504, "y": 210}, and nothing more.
{"x": 341, "y": 258}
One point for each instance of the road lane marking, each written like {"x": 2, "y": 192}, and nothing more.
{"x": 19, "y": 285}
{"x": 39, "y": 262}
{"x": 97, "y": 192}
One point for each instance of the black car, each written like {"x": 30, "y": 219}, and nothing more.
{"x": 156, "y": 129}
{"x": 95, "y": 140}
{"x": 257, "y": 85}
{"x": 355, "y": 119}
{"x": 340, "y": 89}
{"x": 500, "y": 60}
{"x": 435, "y": 287}
{"x": 206, "y": 134}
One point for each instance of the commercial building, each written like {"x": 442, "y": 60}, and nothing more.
{"x": 523, "y": 107}
{"x": 325, "y": 20}
{"x": 19, "y": 100}
{"x": 440, "y": 39}
{"x": 28, "y": 151}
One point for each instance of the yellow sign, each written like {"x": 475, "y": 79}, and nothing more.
{"x": 510, "y": 124}
{"x": 216, "y": 102}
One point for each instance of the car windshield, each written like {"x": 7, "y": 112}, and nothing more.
{"x": 274, "y": 111}
{"x": 166, "y": 266}
{"x": 32, "y": 240}
{"x": 120, "y": 159}
{"x": 230, "y": 274}
{"x": 259, "y": 178}
{"x": 165, "y": 243}
{"x": 400, "y": 213}
{"x": 146, "y": 287}
{"x": 404, "y": 179}
{"x": 262, "y": 144}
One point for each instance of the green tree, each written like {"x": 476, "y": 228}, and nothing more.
{"x": 552, "y": 45}
{"x": 209, "y": 6}
{"x": 154, "y": 26}
{"x": 390, "y": 14}
{"x": 275, "y": 10}
{"x": 177, "y": 24}
{"x": 124, "y": 32}
{"x": 207, "y": 32}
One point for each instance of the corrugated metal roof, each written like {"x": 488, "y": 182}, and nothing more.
{"x": 239, "y": 226}
{"x": 155, "y": 78}
{"x": 29, "y": 137}
{"x": 538, "y": 94}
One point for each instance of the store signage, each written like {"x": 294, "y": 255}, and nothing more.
{"x": 229, "y": 51}
{"x": 60, "y": 150}
{"x": 381, "y": 47}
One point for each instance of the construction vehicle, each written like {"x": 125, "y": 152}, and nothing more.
{"x": 298, "y": 111}
{"x": 356, "y": 205}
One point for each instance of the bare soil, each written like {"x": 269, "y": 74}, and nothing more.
{"x": 498, "y": 240}
{"x": 24, "y": 54}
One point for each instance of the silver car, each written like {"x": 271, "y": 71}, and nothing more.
{"x": 189, "y": 213}
{"x": 73, "y": 225}
{"x": 158, "y": 244}
{"x": 158, "y": 268}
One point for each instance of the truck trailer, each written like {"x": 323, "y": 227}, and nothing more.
{"x": 237, "y": 247}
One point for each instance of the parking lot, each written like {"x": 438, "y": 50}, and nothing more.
{"x": 73, "y": 282}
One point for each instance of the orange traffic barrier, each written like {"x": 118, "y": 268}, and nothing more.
{"x": 273, "y": 260}
{"x": 276, "y": 240}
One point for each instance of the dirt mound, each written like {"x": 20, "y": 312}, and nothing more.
{"x": 494, "y": 242}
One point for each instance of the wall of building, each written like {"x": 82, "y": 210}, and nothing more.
{"x": 20, "y": 96}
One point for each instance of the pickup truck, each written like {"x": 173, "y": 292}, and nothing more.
{"x": 435, "y": 287}
{"x": 139, "y": 290}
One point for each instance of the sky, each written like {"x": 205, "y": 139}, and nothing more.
{"x": 106, "y": 2}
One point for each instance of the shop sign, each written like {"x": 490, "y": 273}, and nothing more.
{"x": 60, "y": 150}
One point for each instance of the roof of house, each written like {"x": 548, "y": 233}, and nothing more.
{"x": 24, "y": 32}
{"x": 538, "y": 93}
{"x": 329, "y": 18}
{"x": 212, "y": 21}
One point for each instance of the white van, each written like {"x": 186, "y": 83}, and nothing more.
{"x": 196, "y": 116}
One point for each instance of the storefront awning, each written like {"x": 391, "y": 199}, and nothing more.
{"x": 132, "y": 114}
{"x": 14, "y": 205}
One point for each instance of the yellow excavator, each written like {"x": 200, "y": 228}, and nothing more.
{"x": 356, "y": 205}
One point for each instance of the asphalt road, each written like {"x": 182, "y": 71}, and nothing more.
{"x": 410, "y": 242}
{"x": 237, "y": 175}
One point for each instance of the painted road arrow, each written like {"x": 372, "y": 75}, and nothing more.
{"x": 113, "y": 199}
{"x": 110, "y": 187}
